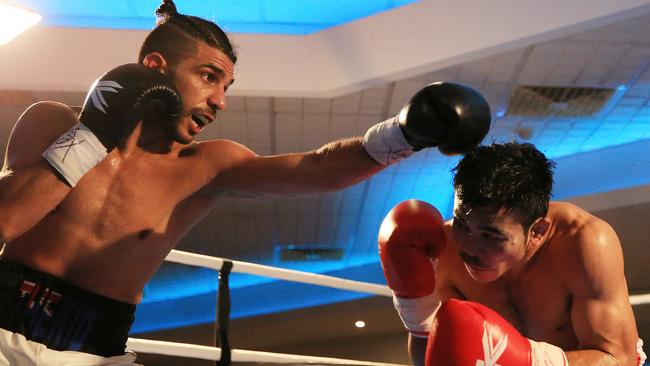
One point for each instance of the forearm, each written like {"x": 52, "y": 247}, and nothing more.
{"x": 596, "y": 358}
{"x": 343, "y": 163}
{"x": 417, "y": 349}
{"x": 26, "y": 196}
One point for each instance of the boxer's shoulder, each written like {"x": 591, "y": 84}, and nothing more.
{"x": 583, "y": 247}
{"x": 221, "y": 146}
{"x": 224, "y": 153}
{"x": 48, "y": 115}
{"x": 40, "y": 125}
{"x": 576, "y": 226}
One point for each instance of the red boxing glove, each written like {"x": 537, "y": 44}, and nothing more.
{"x": 410, "y": 238}
{"x": 466, "y": 333}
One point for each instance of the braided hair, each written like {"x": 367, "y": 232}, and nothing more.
{"x": 174, "y": 33}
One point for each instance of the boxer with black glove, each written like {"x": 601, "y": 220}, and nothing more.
{"x": 451, "y": 116}
{"x": 115, "y": 102}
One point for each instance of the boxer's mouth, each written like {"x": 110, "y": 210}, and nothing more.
{"x": 481, "y": 268}
{"x": 200, "y": 120}
{"x": 473, "y": 262}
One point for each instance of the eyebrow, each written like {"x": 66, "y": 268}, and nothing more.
{"x": 217, "y": 70}
{"x": 488, "y": 228}
{"x": 492, "y": 230}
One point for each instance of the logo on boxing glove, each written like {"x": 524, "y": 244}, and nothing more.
{"x": 492, "y": 351}
{"x": 103, "y": 86}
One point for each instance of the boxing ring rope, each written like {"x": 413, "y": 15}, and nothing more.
{"x": 199, "y": 260}
{"x": 640, "y": 299}
{"x": 214, "y": 353}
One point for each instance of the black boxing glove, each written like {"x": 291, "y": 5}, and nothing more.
{"x": 453, "y": 117}
{"x": 115, "y": 102}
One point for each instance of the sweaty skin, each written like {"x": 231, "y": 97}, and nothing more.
{"x": 113, "y": 230}
{"x": 567, "y": 288}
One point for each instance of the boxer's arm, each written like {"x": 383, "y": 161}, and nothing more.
{"x": 601, "y": 313}
{"x": 446, "y": 290}
{"x": 334, "y": 166}
{"x": 29, "y": 187}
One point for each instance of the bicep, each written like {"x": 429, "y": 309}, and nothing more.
{"x": 601, "y": 313}
{"x": 243, "y": 173}
{"x": 605, "y": 325}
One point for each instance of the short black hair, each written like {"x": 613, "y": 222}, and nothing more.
{"x": 513, "y": 176}
{"x": 176, "y": 34}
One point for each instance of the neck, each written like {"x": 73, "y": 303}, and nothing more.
{"x": 152, "y": 139}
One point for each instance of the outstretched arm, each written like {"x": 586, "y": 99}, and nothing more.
{"x": 601, "y": 313}
{"x": 334, "y": 166}
{"x": 29, "y": 186}
{"x": 453, "y": 117}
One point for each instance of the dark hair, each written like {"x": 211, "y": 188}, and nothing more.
{"x": 512, "y": 176}
{"x": 174, "y": 34}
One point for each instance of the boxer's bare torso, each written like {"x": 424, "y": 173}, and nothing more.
{"x": 564, "y": 291}
{"x": 113, "y": 230}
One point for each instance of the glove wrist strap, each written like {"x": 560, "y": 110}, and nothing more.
{"x": 385, "y": 142}
{"x": 418, "y": 313}
{"x": 544, "y": 354}
{"x": 75, "y": 153}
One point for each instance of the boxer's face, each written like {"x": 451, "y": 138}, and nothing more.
{"x": 202, "y": 78}
{"x": 489, "y": 242}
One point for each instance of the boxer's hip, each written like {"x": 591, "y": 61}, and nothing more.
{"x": 51, "y": 311}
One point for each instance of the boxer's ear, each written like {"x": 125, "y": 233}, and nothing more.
{"x": 155, "y": 60}
{"x": 538, "y": 231}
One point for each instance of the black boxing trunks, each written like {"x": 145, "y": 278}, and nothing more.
{"x": 63, "y": 317}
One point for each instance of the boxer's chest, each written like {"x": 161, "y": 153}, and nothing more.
{"x": 133, "y": 195}
{"x": 537, "y": 304}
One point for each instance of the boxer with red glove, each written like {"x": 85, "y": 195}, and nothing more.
{"x": 411, "y": 237}
{"x": 466, "y": 333}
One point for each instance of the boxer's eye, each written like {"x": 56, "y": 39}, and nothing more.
{"x": 209, "y": 77}
{"x": 493, "y": 237}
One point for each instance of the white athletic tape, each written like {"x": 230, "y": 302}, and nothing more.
{"x": 75, "y": 153}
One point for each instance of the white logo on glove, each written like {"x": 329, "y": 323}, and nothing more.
{"x": 492, "y": 352}
{"x": 103, "y": 86}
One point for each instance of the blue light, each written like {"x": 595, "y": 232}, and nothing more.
{"x": 251, "y": 300}
{"x": 629, "y": 162}
{"x": 621, "y": 88}
{"x": 241, "y": 16}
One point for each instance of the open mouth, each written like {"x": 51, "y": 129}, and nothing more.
{"x": 474, "y": 262}
{"x": 476, "y": 268}
{"x": 200, "y": 121}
